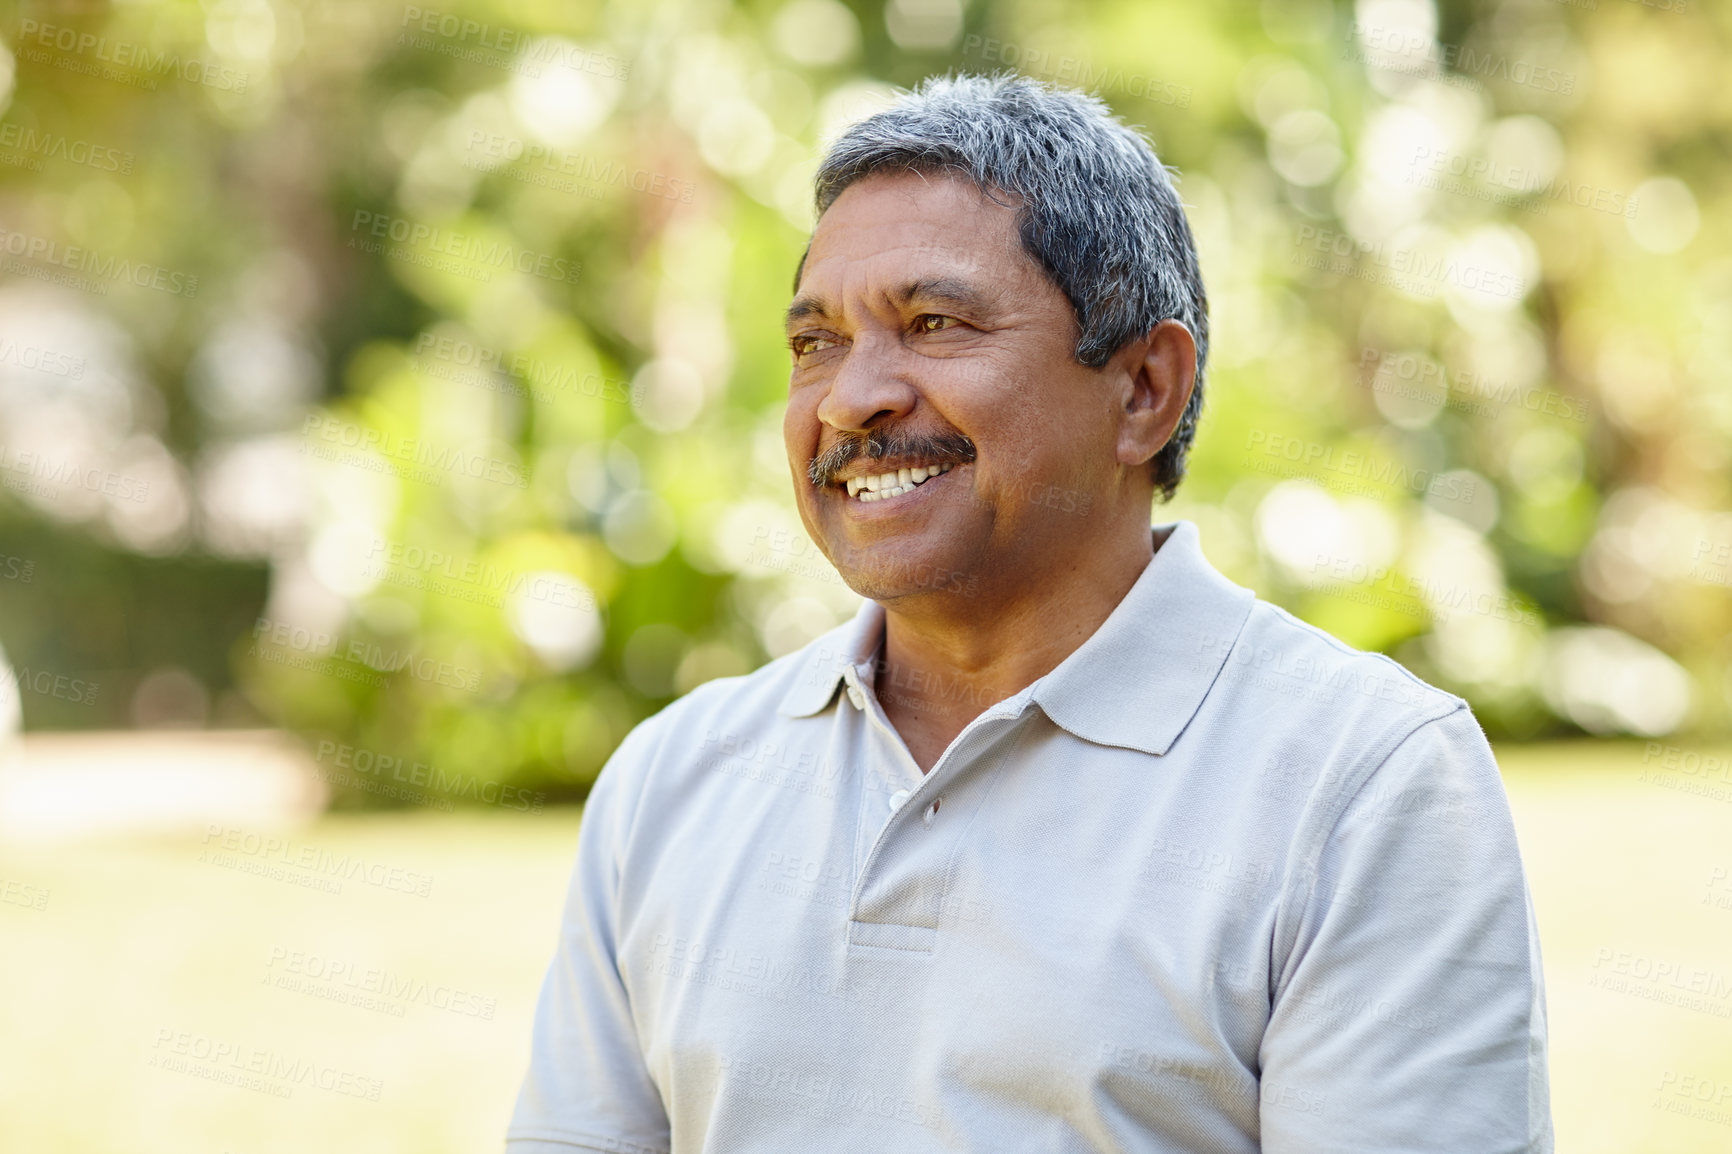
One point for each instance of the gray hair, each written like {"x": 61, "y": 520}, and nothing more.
{"x": 1098, "y": 210}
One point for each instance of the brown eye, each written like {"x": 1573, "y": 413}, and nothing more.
{"x": 802, "y": 345}
{"x": 931, "y": 322}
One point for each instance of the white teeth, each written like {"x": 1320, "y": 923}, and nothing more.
{"x": 883, "y": 485}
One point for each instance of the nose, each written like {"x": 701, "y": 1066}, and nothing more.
{"x": 870, "y": 387}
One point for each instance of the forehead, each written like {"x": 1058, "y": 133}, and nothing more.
{"x": 908, "y": 225}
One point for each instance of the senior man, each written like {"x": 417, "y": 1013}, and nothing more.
{"x": 1064, "y": 842}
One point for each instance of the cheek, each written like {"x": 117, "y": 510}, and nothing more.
{"x": 800, "y": 425}
{"x": 802, "y": 433}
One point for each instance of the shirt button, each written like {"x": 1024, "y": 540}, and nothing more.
{"x": 858, "y": 698}
{"x": 897, "y": 799}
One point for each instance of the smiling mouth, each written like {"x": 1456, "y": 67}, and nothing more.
{"x": 882, "y": 486}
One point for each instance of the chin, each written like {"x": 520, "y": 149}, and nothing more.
{"x": 894, "y": 578}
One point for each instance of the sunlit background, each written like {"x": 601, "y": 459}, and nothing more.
{"x": 390, "y": 403}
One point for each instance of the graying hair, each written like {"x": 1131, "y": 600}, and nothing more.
{"x": 1098, "y": 211}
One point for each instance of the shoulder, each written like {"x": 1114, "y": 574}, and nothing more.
{"x": 1326, "y": 680}
{"x": 679, "y": 759}
{"x": 724, "y": 716}
{"x": 1323, "y": 722}
{"x": 1364, "y": 735}
{"x": 748, "y": 705}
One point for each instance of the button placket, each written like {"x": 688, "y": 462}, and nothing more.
{"x": 881, "y": 771}
{"x": 887, "y": 734}
{"x": 972, "y": 754}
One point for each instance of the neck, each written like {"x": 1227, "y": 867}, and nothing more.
{"x": 942, "y": 666}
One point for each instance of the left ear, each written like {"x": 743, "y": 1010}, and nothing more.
{"x": 1159, "y": 369}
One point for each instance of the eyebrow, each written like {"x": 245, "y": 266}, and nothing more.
{"x": 942, "y": 290}
{"x": 805, "y": 307}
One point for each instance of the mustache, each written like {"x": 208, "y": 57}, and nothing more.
{"x": 942, "y": 448}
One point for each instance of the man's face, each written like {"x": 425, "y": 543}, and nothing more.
{"x": 922, "y": 332}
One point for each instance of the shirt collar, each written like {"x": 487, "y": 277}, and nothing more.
{"x": 826, "y": 660}
{"x": 1135, "y": 683}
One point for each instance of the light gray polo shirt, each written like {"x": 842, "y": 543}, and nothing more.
{"x": 1216, "y": 883}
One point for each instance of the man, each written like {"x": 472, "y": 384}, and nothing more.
{"x": 1065, "y": 842}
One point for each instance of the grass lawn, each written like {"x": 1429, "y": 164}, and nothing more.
{"x": 1630, "y": 872}
{"x": 155, "y": 972}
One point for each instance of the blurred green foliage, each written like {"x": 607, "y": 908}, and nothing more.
{"x": 411, "y": 377}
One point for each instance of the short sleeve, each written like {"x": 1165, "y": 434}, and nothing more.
{"x": 588, "y": 1087}
{"x": 1410, "y": 1012}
